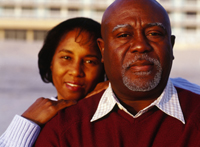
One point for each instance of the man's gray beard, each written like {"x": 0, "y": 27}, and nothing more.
{"x": 137, "y": 85}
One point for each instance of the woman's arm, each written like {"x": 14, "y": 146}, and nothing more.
{"x": 20, "y": 133}
{"x": 24, "y": 130}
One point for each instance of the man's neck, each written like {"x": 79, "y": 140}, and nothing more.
{"x": 135, "y": 106}
{"x": 136, "y": 101}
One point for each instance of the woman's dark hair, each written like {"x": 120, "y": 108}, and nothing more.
{"x": 55, "y": 35}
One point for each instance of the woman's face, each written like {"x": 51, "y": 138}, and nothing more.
{"x": 76, "y": 68}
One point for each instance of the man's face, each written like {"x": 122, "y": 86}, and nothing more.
{"x": 136, "y": 47}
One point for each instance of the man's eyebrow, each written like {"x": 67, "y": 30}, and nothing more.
{"x": 156, "y": 24}
{"x": 121, "y": 26}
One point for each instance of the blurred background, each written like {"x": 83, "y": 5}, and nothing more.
{"x": 24, "y": 24}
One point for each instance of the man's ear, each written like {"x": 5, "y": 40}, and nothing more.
{"x": 100, "y": 43}
{"x": 173, "y": 42}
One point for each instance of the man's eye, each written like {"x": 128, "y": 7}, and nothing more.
{"x": 123, "y": 35}
{"x": 155, "y": 34}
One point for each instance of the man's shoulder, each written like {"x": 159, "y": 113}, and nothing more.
{"x": 185, "y": 84}
{"x": 190, "y": 103}
{"x": 182, "y": 92}
{"x": 86, "y": 105}
{"x": 187, "y": 96}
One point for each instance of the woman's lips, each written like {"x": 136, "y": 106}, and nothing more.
{"x": 74, "y": 86}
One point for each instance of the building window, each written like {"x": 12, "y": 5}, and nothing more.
{"x": 8, "y": 10}
{"x": 100, "y": 10}
{"x": 190, "y": 29}
{"x": 39, "y": 35}
{"x": 27, "y": 11}
{"x": 54, "y": 12}
{"x": 15, "y": 34}
{"x": 73, "y": 11}
{"x": 191, "y": 14}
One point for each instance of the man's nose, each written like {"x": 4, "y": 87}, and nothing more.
{"x": 140, "y": 44}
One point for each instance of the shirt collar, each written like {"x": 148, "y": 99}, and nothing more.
{"x": 167, "y": 102}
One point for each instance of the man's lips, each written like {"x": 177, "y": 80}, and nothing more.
{"x": 141, "y": 66}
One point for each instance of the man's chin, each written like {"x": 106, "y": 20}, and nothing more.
{"x": 140, "y": 84}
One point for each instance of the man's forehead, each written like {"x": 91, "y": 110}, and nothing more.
{"x": 125, "y": 13}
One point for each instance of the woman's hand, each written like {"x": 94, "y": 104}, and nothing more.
{"x": 100, "y": 86}
{"x": 42, "y": 110}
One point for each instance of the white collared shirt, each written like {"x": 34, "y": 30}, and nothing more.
{"x": 167, "y": 102}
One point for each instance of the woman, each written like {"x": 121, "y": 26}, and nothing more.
{"x": 71, "y": 61}
{"x": 70, "y": 58}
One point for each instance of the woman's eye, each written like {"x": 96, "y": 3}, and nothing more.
{"x": 66, "y": 57}
{"x": 90, "y": 62}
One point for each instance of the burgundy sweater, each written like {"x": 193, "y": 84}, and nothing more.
{"x": 71, "y": 127}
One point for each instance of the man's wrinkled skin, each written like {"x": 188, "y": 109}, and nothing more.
{"x": 129, "y": 30}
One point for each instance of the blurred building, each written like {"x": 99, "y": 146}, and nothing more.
{"x": 30, "y": 19}
{"x": 185, "y": 20}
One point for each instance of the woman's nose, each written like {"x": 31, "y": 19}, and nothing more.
{"x": 76, "y": 69}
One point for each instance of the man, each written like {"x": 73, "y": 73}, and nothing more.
{"x": 141, "y": 107}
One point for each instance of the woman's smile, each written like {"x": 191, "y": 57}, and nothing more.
{"x": 74, "y": 86}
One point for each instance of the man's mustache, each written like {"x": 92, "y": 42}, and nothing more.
{"x": 139, "y": 57}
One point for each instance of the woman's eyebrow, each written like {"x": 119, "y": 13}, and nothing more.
{"x": 70, "y": 52}
{"x": 93, "y": 56}
{"x": 66, "y": 51}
